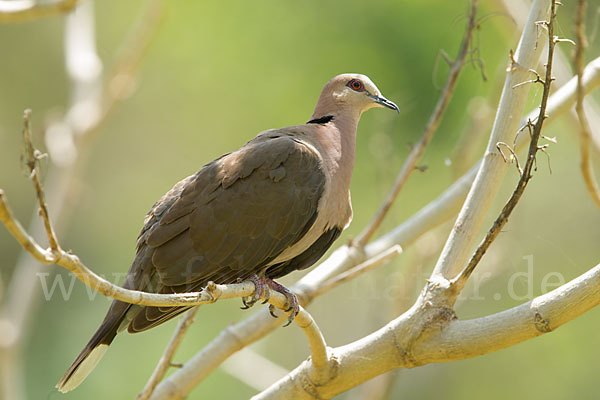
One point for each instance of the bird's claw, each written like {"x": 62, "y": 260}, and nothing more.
{"x": 292, "y": 304}
{"x": 263, "y": 287}
{"x": 272, "y": 311}
{"x": 261, "y": 290}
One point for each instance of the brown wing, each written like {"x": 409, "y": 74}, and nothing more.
{"x": 230, "y": 220}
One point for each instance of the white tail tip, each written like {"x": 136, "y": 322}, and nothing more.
{"x": 83, "y": 370}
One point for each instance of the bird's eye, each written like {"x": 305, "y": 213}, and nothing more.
{"x": 355, "y": 84}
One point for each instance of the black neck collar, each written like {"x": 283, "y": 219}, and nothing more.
{"x": 322, "y": 120}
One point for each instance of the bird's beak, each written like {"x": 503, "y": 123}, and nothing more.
{"x": 384, "y": 102}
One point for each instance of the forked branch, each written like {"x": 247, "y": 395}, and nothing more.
{"x": 526, "y": 174}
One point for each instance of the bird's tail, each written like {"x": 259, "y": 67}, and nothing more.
{"x": 91, "y": 354}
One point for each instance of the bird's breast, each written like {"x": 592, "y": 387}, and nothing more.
{"x": 334, "y": 211}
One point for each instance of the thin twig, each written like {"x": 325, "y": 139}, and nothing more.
{"x": 513, "y": 156}
{"x": 166, "y": 360}
{"x": 30, "y": 158}
{"x": 464, "y": 234}
{"x": 586, "y": 167}
{"x": 27, "y": 10}
{"x": 65, "y": 170}
{"x": 432, "y": 125}
{"x": 526, "y": 175}
{"x": 360, "y": 269}
{"x": 21, "y": 295}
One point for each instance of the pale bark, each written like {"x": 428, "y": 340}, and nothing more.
{"x": 429, "y": 331}
{"x": 446, "y": 339}
{"x": 466, "y": 229}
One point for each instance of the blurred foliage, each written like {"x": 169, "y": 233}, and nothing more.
{"x": 218, "y": 73}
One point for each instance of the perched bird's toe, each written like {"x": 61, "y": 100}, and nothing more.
{"x": 292, "y": 304}
{"x": 293, "y": 309}
{"x": 261, "y": 291}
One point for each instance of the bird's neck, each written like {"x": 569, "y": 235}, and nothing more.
{"x": 338, "y": 136}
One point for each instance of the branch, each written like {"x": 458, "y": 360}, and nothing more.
{"x": 166, "y": 360}
{"x": 27, "y": 10}
{"x": 447, "y": 339}
{"x": 30, "y": 158}
{"x": 466, "y": 228}
{"x": 244, "y": 364}
{"x": 256, "y": 326}
{"x": 432, "y": 125}
{"x": 360, "y": 269}
{"x": 526, "y": 173}
{"x": 211, "y": 293}
{"x": 68, "y": 141}
{"x": 585, "y": 130}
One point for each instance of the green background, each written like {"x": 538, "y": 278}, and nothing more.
{"x": 218, "y": 73}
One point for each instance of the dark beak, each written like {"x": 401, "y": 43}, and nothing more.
{"x": 384, "y": 102}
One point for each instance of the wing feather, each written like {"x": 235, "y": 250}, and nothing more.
{"x": 232, "y": 218}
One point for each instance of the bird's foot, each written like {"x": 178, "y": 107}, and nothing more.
{"x": 261, "y": 290}
{"x": 292, "y": 305}
{"x": 263, "y": 287}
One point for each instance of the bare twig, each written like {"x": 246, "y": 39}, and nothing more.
{"x": 360, "y": 269}
{"x": 462, "y": 238}
{"x": 166, "y": 360}
{"x": 30, "y": 159}
{"x": 513, "y": 156}
{"x": 68, "y": 142}
{"x": 27, "y": 10}
{"x": 526, "y": 175}
{"x": 586, "y": 167}
{"x": 434, "y": 121}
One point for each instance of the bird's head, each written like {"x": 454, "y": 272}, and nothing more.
{"x": 352, "y": 91}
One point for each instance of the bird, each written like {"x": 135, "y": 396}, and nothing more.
{"x": 273, "y": 206}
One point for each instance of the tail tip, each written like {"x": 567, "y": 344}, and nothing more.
{"x": 81, "y": 369}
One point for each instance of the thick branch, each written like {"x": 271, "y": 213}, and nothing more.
{"x": 466, "y": 228}
{"x": 448, "y": 339}
{"x": 434, "y": 121}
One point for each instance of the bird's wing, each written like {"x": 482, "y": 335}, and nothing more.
{"x": 231, "y": 219}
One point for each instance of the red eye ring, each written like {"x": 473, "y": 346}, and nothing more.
{"x": 356, "y": 85}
